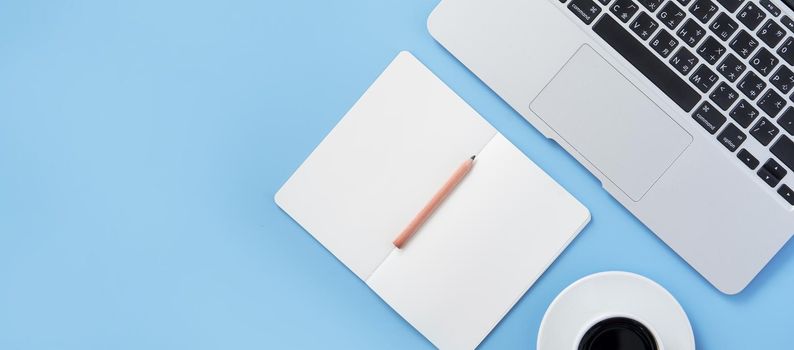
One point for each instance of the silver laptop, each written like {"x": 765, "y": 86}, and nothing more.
{"x": 681, "y": 108}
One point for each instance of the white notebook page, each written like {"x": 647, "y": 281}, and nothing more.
{"x": 382, "y": 162}
{"x": 481, "y": 250}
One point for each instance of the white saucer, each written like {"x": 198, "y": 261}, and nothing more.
{"x": 614, "y": 293}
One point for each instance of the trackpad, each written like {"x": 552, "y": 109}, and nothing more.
{"x": 624, "y": 134}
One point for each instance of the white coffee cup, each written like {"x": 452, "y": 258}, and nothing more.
{"x": 654, "y": 335}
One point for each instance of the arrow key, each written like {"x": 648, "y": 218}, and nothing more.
{"x": 770, "y": 179}
{"x": 775, "y": 169}
{"x": 748, "y": 159}
{"x": 787, "y": 193}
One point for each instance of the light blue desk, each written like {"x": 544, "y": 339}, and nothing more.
{"x": 141, "y": 143}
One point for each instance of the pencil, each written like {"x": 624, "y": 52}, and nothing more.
{"x": 434, "y": 202}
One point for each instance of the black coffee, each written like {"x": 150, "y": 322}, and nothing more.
{"x": 618, "y": 333}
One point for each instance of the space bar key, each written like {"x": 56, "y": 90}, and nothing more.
{"x": 646, "y": 62}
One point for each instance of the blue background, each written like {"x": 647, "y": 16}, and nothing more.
{"x": 141, "y": 144}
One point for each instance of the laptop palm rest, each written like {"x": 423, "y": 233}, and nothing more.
{"x": 610, "y": 122}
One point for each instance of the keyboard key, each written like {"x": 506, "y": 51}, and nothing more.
{"x": 751, "y": 85}
{"x": 603, "y": 2}
{"x": 771, "y": 33}
{"x": 731, "y": 68}
{"x": 723, "y": 26}
{"x": 644, "y": 25}
{"x": 664, "y": 43}
{"x": 703, "y": 10}
{"x": 711, "y": 50}
{"x": 764, "y": 131}
{"x": 671, "y": 15}
{"x": 751, "y": 15}
{"x": 787, "y": 194}
{"x": 683, "y": 61}
{"x": 772, "y": 103}
{"x": 783, "y": 79}
{"x": 724, "y": 96}
{"x": 770, "y": 7}
{"x": 730, "y": 5}
{"x": 691, "y": 33}
{"x": 731, "y": 137}
{"x": 744, "y": 44}
{"x": 786, "y": 51}
{"x": 783, "y": 149}
{"x": 744, "y": 113}
{"x": 787, "y": 22}
{"x": 764, "y": 61}
{"x": 775, "y": 169}
{"x": 651, "y": 5}
{"x": 704, "y": 78}
{"x": 709, "y": 117}
{"x": 770, "y": 179}
{"x": 624, "y": 9}
{"x": 786, "y": 120}
{"x": 748, "y": 159}
{"x": 585, "y": 10}
{"x": 647, "y": 63}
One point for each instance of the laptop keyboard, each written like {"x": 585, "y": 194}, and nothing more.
{"x": 728, "y": 63}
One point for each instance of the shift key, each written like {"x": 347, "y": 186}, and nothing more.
{"x": 783, "y": 149}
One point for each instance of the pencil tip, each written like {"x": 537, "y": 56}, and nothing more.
{"x": 472, "y": 157}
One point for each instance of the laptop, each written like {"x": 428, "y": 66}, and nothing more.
{"x": 683, "y": 109}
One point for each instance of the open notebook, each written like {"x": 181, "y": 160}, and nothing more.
{"x": 483, "y": 247}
